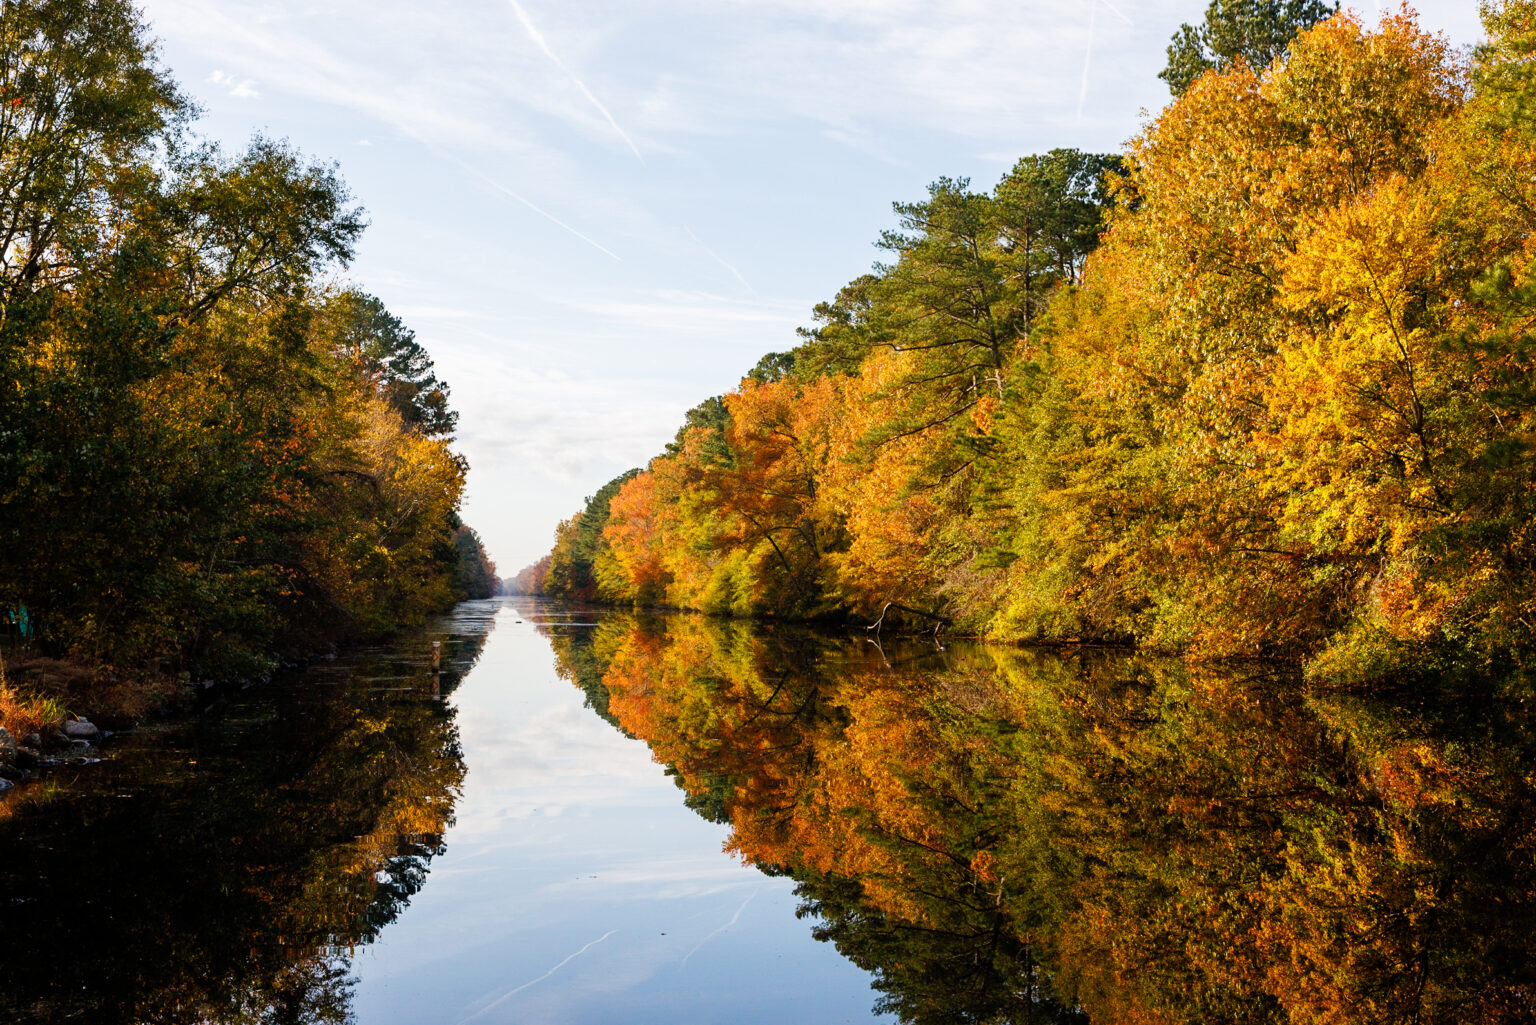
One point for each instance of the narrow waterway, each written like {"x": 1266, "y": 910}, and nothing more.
{"x": 593, "y": 816}
{"x": 367, "y": 840}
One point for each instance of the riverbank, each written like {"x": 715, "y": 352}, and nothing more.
{"x": 1125, "y": 440}
{"x": 214, "y": 860}
{"x": 61, "y": 711}
{"x": 49, "y": 710}
{"x": 206, "y": 471}
{"x": 45, "y": 699}
{"x": 895, "y": 620}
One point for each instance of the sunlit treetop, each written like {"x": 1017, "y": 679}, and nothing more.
{"x": 1256, "y": 32}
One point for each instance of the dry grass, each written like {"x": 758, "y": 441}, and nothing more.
{"x": 24, "y": 713}
{"x": 36, "y": 692}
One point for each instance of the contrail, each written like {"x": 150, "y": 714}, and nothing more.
{"x": 718, "y": 259}
{"x": 470, "y": 169}
{"x": 538, "y": 38}
{"x": 1082, "y": 94}
{"x": 493, "y": 183}
{"x": 717, "y": 932}
{"x": 509, "y": 994}
{"x": 1121, "y": 14}
{"x": 1093, "y": 9}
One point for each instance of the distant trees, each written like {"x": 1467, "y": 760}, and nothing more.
{"x": 474, "y": 571}
{"x": 530, "y": 579}
{"x": 816, "y": 486}
{"x": 572, "y": 571}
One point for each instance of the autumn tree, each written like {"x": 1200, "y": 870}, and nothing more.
{"x": 572, "y": 569}
{"x": 1166, "y": 361}
{"x": 195, "y": 470}
{"x": 1257, "y": 386}
{"x": 948, "y": 322}
{"x": 529, "y": 579}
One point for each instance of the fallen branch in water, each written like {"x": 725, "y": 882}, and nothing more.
{"x": 939, "y": 621}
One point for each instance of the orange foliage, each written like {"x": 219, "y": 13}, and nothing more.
{"x": 1173, "y": 845}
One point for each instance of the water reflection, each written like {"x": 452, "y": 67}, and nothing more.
{"x": 1008, "y": 836}
{"x": 225, "y": 870}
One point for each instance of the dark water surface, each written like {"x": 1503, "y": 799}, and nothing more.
{"x": 974, "y": 834}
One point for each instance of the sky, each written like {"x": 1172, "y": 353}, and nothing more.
{"x": 597, "y": 213}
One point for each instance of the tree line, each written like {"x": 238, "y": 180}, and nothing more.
{"x": 1262, "y": 383}
{"x": 212, "y": 451}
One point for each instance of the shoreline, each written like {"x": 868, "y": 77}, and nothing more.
{"x": 101, "y": 703}
{"x": 855, "y": 629}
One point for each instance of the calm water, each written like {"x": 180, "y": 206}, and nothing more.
{"x": 554, "y": 829}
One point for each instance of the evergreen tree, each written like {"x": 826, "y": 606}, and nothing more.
{"x": 1256, "y": 31}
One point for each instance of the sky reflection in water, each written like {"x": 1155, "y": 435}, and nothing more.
{"x": 577, "y": 887}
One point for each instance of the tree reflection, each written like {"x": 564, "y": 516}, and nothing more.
{"x": 1001, "y": 835}
{"x": 248, "y": 855}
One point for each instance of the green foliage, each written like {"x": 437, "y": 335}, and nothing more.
{"x": 83, "y": 106}
{"x": 1502, "y": 69}
{"x": 389, "y": 353}
{"x": 775, "y": 366}
{"x": 1257, "y": 32}
{"x": 844, "y": 335}
{"x": 474, "y": 572}
{"x": 205, "y": 454}
{"x": 711, "y": 419}
{"x": 1051, "y": 211}
{"x": 572, "y": 567}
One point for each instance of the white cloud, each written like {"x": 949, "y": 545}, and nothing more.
{"x": 239, "y": 88}
{"x": 385, "y": 74}
{"x": 681, "y": 311}
{"x": 563, "y": 432}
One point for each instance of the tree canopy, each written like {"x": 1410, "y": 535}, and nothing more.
{"x": 1255, "y": 32}
{"x": 209, "y": 452}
